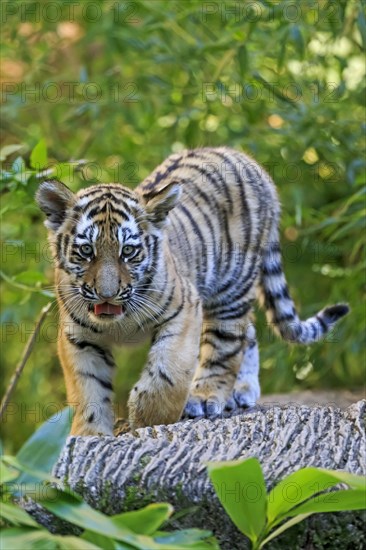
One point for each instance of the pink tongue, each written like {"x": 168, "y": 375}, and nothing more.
{"x": 107, "y": 309}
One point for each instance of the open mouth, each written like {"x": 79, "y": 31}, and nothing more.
{"x": 107, "y": 309}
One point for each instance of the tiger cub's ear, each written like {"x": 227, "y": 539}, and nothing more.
{"x": 159, "y": 202}
{"x": 54, "y": 198}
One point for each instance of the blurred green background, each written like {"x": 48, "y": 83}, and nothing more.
{"x": 119, "y": 86}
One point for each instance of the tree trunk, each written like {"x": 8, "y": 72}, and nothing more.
{"x": 167, "y": 463}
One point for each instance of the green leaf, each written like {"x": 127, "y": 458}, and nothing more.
{"x": 75, "y": 543}
{"x": 71, "y": 508}
{"x": 16, "y": 515}
{"x": 145, "y": 521}
{"x": 43, "y": 448}
{"x": 303, "y": 484}
{"x": 118, "y": 545}
{"x": 283, "y": 40}
{"x": 34, "y": 475}
{"x": 242, "y": 492}
{"x": 40, "y": 539}
{"x": 346, "y": 228}
{"x": 283, "y": 528}
{"x": 298, "y": 39}
{"x": 189, "y": 537}
{"x": 38, "y": 157}
{"x": 6, "y": 473}
{"x": 274, "y": 90}
{"x": 21, "y": 286}
{"x": 79, "y": 513}
{"x": 31, "y": 539}
{"x": 354, "y": 481}
{"x": 242, "y": 60}
{"x": 101, "y": 540}
{"x": 334, "y": 501}
{"x": 30, "y": 277}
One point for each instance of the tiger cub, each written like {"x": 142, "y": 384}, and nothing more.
{"x": 178, "y": 260}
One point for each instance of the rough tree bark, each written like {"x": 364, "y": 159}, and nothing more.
{"x": 167, "y": 463}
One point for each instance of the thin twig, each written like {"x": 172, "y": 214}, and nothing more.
{"x": 26, "y": 287}
{"x": 27, "y": 351}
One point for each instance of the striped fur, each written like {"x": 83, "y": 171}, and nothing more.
{"x": 203, "y": 231}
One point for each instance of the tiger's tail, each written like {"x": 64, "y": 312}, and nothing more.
{"x": 280, "y": 309}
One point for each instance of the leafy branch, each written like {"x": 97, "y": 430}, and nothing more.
{"x": 31, "y": 467}
{"x": 28, "y": 288}
{"x": 261, "y": 516}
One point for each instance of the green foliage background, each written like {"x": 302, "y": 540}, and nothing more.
{"x": 122, "y": 85}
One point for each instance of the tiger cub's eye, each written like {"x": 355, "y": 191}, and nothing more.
{"x": 128, "y": 251}
{"x": 86, "y": 250}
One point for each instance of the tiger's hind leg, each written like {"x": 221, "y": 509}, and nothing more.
{"x": 221, "y": 354}
{"x": 246, "y": 390}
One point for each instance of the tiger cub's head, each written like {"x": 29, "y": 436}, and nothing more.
{"x": 106, "y": 241}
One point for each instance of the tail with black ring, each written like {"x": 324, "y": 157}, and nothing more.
{"x": 280, "y": 308}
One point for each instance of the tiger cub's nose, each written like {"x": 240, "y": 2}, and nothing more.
{"x": 107, "y": 295}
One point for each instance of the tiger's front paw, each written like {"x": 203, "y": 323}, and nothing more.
{"x": 211, "y": 404}
{"x": 247, "y": 392}
{"x": 151, "y": 408}
{"x": 205, "y": 402}
{"x": 199, "y": 407}
{"x": 245, "y": 395}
